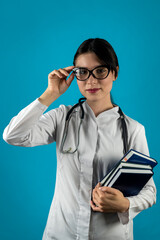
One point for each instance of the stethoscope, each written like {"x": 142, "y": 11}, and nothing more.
{"x": 80, "y": 102}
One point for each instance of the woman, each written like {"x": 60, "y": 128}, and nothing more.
{"x": 80, "y": 209}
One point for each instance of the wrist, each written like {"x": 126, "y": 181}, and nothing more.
{"x": 48, "y": 97}
{"x": 51, "y": 94}
{"x": 125, "y": 206}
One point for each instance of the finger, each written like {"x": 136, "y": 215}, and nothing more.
{"x": 70, "y": 79}
{"x": 105, "y": 195}
{"x": 109, "y": 190}
{"x": 69, "y": 68}
{"x": 96, "y": 199}
{"x": 95, "y": 208}
{"x": 102, "y": 196}
{"x": 97, "y": 194}
{"x": 63, "y": 72}
{"x": 107, "y": 209}
{"x": 98, "y": 185}
{"x": 57, "y": 73}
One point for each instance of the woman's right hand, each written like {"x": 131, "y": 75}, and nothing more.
{"x": 57, "y": 83}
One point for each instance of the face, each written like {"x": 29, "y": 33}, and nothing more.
{"x": 90, "y": 61}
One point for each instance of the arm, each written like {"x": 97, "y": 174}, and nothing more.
{"x": 31, "y": 127}
{"x": 107, "y": 199}
{"x": 147, "y": 196}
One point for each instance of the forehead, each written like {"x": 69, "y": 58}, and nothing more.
{"x": 88, "y": 60}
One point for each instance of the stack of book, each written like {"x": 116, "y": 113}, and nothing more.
{"x": 131, "y": 173}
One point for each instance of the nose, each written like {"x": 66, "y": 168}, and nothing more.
{"x": 91, "y": 80}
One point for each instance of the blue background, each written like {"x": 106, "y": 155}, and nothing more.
{"x": 40, "y": 36}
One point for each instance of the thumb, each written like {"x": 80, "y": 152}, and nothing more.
{"x": 98, "y": 185}
{"x": 70, "y": 79}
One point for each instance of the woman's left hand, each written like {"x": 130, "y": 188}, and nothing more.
{"x": 108, "y": 199}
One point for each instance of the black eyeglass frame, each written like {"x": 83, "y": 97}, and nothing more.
{"x": 91, "y": 71}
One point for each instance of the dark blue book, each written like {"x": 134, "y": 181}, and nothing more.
{"x": 130, "y": 181}
{"x": 131, "y": 173}
{"x": 134, "y": 156}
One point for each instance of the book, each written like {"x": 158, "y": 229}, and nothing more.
{"x": 131, "y": 173}
{"x": 137, "y": 157}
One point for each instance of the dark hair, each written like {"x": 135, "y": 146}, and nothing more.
{"x": 103, "y": 50}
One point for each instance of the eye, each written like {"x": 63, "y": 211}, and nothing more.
{"x": 82, "y": 71}
{"x": 101, "y": 70}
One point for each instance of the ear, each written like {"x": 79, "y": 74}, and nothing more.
{"x": 114, "y": 78}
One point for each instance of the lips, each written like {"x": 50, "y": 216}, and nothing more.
{"x": 93, "y": 90}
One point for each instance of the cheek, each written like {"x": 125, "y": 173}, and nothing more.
{"x": 81, "y": 86}
{"x": 107, "y": 84}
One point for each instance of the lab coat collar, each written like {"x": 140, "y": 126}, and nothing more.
{"x": 111, "y": 113}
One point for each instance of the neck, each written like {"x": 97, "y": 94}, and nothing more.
{"x": 100, "y": 106}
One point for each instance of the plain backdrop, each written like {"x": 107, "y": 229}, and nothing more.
{"x": 40, "y": 36}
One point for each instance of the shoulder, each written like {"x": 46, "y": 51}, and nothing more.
{"x": 62, "y": 109}
{"x": 133, "y": 125}
{"x": 137, "y": 135}
{"x": 60, "y": 112}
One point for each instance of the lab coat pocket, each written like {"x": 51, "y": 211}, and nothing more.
{"x": 67, "y": 160}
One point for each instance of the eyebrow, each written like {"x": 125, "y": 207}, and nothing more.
{"x": 88, "y": 68}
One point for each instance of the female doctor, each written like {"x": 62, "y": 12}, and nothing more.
{"x": 89, "y": 142}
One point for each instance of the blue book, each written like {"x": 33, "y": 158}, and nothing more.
{"x": 131, "y": 173}
{"x": 134, "y": 156}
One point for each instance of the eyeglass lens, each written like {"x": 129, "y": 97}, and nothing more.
{"x": 83, "y": 73}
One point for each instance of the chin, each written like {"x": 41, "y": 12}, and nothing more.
{"x": 93, "y": 98}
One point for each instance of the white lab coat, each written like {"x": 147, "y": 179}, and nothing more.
{"x": 100, "y": 147}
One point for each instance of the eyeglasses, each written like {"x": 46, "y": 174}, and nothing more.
{"x": 99, "y": 72}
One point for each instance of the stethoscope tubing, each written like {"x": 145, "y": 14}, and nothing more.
{"x": 80, "y": 102}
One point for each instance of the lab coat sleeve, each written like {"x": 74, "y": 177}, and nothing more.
{"x": 147, "y": 196}
{"x": 31, "y": 127}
